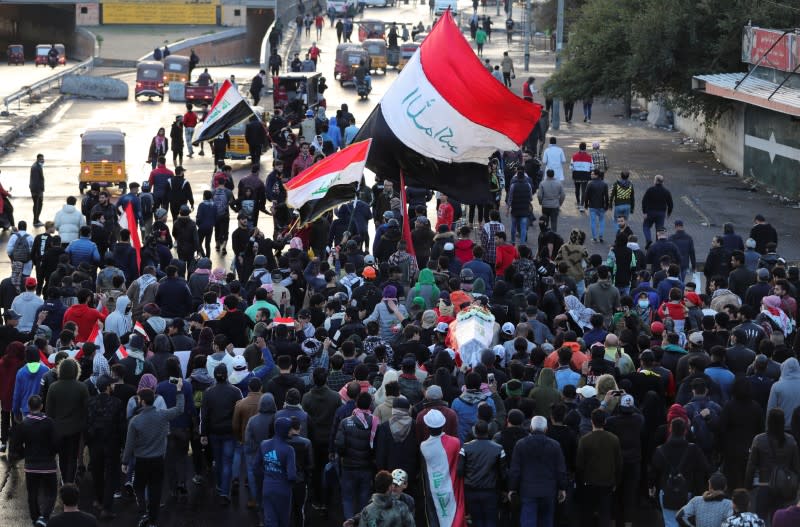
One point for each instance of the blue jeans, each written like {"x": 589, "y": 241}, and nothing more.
{"x": 656, "y": 218}
{"x": 356, "y": 488}
{"x": 621, "y": 210}
{"x": 537, "y": 512}
{"x": 222, "y": 448}
{"x": 236, "y": 465}
{"x": 482, "y": 507}
{"x": 188, "y": 133}
{"x": 255, "y": 486}
{"x": 587, "y": 111}
{"x": 597, "y": 220}
{"x": 580, "y": 285}
{"x": 520, "y": 222}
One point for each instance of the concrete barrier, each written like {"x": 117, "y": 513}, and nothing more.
{"x": 96, "y": 87}
{"x": 177, "y": 92}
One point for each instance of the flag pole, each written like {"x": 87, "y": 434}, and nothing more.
{"x": 406, "y": 215}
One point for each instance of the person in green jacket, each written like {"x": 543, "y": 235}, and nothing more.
{"x": 68, "y": 406}
{"x": 545, "y": 394}
{"x": 480, "y": 40}
{"x": 425, "y": 288}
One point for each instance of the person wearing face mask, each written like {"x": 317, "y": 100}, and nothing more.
{"x": 644, "y": 310}
{"x": 159, "y": 146}
{"x": 36, "y": 185}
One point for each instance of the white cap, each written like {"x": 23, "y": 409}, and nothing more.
{"x": 442, "y": 327}
{"x": 508, "y": 328}
{"x": 449, "y": 246}
{"x": 587, "y": 391}
{"x": 434, "y": 419}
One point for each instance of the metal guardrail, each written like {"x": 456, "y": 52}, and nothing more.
{"x": 285, "y": 11}
{"x": 48, "y": 83}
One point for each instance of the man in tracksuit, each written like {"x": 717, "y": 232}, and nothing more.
{"x": 277, "y": 469}
{"x": 304, "y": 463}
{"x": 581, "y": 166}
{"x": 482, "y": 464}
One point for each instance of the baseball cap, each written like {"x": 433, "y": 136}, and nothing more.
{"x": 679, "y": 223}
{"x": 442, "y": 327}
{"x": 657, "y": 328}
{"x": 626, "y": 403}
{"x": 763, "y": 274}
{"x": 587, "y": 391}
{"x": 696, "y": 338}
{"x": 449, "y": 246}
{"x": 30, "y": 282}
{"x": 399, "y": 476}
{"x": 369, "y": 273}
{"x": 433, "y": 393}
{"x": 369, "y": 260}
{"x": 309, "y": 113}
{"x": 434, "y": 419}
{"x": 12, "y": 315}
{"x": 508, "y": 328}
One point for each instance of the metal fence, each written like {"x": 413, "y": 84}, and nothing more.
{"x": 47, "y": 84}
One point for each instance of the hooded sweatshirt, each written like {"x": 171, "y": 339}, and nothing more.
{"x": 26, "y": 305}
{"x": 425, "y": 288}
{"x": 466, "y": 408}
{"x": 785, "y": 394}
{"x": 28, "y": 382}
{"x": 119, "y": 321}
{"x": 603, "y": 297}
{"x": 276, "y": 464}
{"x": 68, "y": 399}
{"x": 545, "y": 394}
{"x": 260, "y": 427}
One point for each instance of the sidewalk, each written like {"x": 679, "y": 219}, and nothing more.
{"x": 704, "y": 198}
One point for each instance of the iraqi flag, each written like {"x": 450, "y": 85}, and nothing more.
{"x": 443, "y": 117}
{"x": 228, "y": 109}
{"x": 327, "y": 183}
{"x": 127, "y": 220}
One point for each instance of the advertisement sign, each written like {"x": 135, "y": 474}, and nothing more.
{"x": 779, "y": 51}
{"x": 161, "y": 13}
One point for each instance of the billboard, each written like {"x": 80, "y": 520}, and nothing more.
{"x": 160, "y": 13}
{"x": 770, "y": 46}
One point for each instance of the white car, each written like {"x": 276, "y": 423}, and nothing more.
{"x": 378, "y": 3}
{"x": 440, "y": 6}
{"x": 340, "y": 7}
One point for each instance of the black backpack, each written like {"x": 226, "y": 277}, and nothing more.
{"x": 676, "y": 487}
{"x": 21, "y": 251}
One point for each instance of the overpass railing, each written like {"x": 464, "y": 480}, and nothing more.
{"x": 46, "y": 84}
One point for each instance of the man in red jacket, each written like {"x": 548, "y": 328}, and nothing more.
{"x": 504, "y": 254}
{"x": 581, "y": 166}
{"x": 84, "y": 315}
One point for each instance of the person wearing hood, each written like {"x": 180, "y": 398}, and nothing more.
{"x": 258, "y": 428}
{"x": 422, "y": 237}
{"x": 785, "y": 394}
{"x": 216, "y": 427}
{"x": 388, "y": 313}
{"x": 27, "y": 381}
{"x": 396, "y": 444}
{"x": 119, "y": 321}
{"x": 386, "y": 243}
{"x": 67, "y": 403}
{"x": 385, "y": 508}
{"x": 276, "y": 469}
{"x": 198, "y": 281}
{"x": 545, "y": 393}
{"x": 105, "y": 430}
{"x": 602, "y": 296}
{"x": 466, "y": 406}
{"x": 321, "y": 403}
{"x": 424, "y": 288}
{"x": 622, "y": 197}
{"x": 773, "y": 315}
{"x": 10, "y": 364}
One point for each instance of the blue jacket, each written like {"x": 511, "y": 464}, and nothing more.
{"x": 276, "y": 465}
{"x": 28, "y": 382}
{"x": 206, "y": 216}
{"x": 466, "y": 408}
{"x": 537, "y": 468}
{"x": 685, "y": 245}
{"x": 482, "y": 270}
{"x": 83, "y": 250}
{"x": 125, "y": 258}
{"x": 174, "y": 298}
{"x": 123, "y": 201}
{"x": 665, "y": 285}
{"x": 54, "y": 319}
{"x": 361, "y": 216}
{"x": 169, "y": 392}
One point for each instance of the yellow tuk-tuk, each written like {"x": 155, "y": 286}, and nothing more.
{"x": 371, "y": 29}
{"x": 407, "y": 50}
{"x": 239, "y": 148}
{"x": 176, "y": 69}
{"x": 103, "y": 158}
{"x": 377, "y": 53}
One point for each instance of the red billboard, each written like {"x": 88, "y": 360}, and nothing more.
{"x": 761, "y": 43}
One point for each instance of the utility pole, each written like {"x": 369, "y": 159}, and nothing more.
{"x": 497, "y": 3}
{"x": 555, "y": 118}
{"x": 527, "y": 20}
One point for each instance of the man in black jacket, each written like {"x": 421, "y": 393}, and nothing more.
{"x": 482, "y": 464}
{"x": 104, "y": 432}
{"x": 256, "y": 136}
{"x": 36, "y": 186}
{"x": 321, "y": 404}
{"x": 179, "y": 192}
{"x": 595, "y": 198}
{"x": 354, "y": 446}
{"x": 656, "y": 207}
{"x": 216, "y": 428}
{"x": 35, "y": 441}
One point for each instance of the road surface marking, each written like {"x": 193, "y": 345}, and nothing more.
{"x": 61, "y": 112}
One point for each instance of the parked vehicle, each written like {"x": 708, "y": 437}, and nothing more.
{"x": 15, "y": 54}
{"x": 103, "y": 159}
{"x": 42, "y": 51}
{"x": 195, "y": 93}
{"x": 176, "y": 69}
{"x": 294, "y": 93}
{"x": 376, "y": 48}
{"x": 62, "y": 54}
{"x": 348, "y": 57}
{"x": 149, "y": 80}
{"x": 371, "y": 29}
{"x": 239, "y": 149}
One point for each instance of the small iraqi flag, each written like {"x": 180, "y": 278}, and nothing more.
{"x": 443, "y": 117}
{"x": 327, "y": 183}
{"x": 228, "y": 109}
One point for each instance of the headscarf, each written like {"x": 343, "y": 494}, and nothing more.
{"x": 361, "y": 415}
{"x": 99, "y": 367}
{"x": 389, "y": 376}
{"x": 772, "y": 309}
{"x": 296, "y": 243}
{"x": 400, "y": 424}
{"x": 579, "y": 313}
{"x": 217, "y": 276}
{"x": 147, "y": 382}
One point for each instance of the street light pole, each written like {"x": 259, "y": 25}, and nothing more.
{"x": 555, "y": 118}
{"x": 527, "y": 20}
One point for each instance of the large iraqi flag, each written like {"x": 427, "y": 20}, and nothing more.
{"x": 443, "y": 117}
{"x": 228, "y": 109}
{"x": 328, "y": 183}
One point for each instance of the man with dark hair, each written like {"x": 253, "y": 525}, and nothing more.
{"x": 279, "y": 385}
{"x": 321, "y": 403}
{"x": 354, "y": 440}
{"x": 146, "y": 442}
{"x": 105, "y": 430}
{"x": 482, "y": 464}
{"x": 602, "y": 296}
{"x": 598, "y": 466}
{"x": 72, "y": 516}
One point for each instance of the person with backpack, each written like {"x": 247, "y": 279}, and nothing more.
{"x": 775, "y": 461}
{"x": 222, "y": 199}
{"x": 20, "y": 252}
{"x": 179, "y": 192}
{"x": 703, "y": 416}
{"x": 679, "y": 470}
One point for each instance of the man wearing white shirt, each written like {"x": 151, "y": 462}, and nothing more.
{"x": 554, "y": 159}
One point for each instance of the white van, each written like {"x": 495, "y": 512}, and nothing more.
{"x": 441, "y": 6}
{"x": 340, "y": 7}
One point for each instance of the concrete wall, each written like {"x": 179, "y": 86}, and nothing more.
{"x": 87, "y": 14}
{"x": 228, "y": 51}
{"x": 233, "y": 15}
{"x": 37, "y": 24}
{"x": 725, "y": 138}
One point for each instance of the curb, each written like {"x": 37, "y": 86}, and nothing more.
{"x": 18, "y": 130}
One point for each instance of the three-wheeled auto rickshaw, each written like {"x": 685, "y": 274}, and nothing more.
{"x": 407, "y": 51}
{"x": 103, "y": 159}
{"x": 347, "y": 61}
{"x": 376, "y": 48}
{"x": 15, "y": 54}
{"x": 62, "y": 54}
{"x": 42, "y": 52}
{"x": 149, "y": 80}
{"x": 294, "y": 93}
{"x": 371, "y": 29}
{"x": 239, "y": 149}
{"x": 176, "y": 69}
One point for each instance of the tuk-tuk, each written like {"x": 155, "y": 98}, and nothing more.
{"x": 376, "y": 48}
{"x": 347, "y": 61}
{"x": 294, "y": 93}
{"x": 42, "y": 51}
{"x": 16, "y": 54}
{"x": 62, "y": 54}
{"x": 176, "y": 69}
{"x": 149, "y": 80}
{"x": 407, "y": 51}
{"x": 103, "y": 159}
{"x": 371, "y": 29}
{"x": 239, "y": 148}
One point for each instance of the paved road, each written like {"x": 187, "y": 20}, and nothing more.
{"x": 15, "y": 77}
